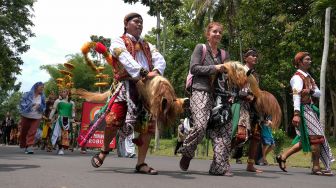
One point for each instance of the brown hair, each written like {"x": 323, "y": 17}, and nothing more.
{"x": 210, "y": 26}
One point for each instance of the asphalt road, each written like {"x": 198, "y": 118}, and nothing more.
{"x": 73, "y": 170}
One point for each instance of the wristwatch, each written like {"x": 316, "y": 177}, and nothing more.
{"x": 143, "y": 72}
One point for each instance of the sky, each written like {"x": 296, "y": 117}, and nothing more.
{"x": 63, "y": 26}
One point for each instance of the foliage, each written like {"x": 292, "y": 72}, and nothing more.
{"x": 11, "y": 105}
{"x": 279, "y": 138}
{"x": 277, "y": 29}
{"x": 83, "y": 76}
{"x": 163, "y": 6}
{"x": 15, "y": 23}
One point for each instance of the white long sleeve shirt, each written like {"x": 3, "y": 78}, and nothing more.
{"x": 297, "y": 85}
{"x": 132, "y": 65}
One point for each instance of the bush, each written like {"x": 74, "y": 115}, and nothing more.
{"x": 279, "y": 138}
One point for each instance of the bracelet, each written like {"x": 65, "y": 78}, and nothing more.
{"x": 143, "y": 72}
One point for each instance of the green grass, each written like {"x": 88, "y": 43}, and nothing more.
{"x": 299, "y": 159}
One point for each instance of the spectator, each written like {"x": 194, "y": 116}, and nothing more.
{"x": 14, "y": 136}
{"x": 7, "y": 125}
{"x": 32, "y": 106}
{"x": 267, "y": 140}
{"x": 182, "y": 132}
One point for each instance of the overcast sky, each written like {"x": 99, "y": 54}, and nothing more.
{"x": 63, "y": 26}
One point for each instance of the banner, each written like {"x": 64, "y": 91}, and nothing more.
{"x": 89, "y": 111}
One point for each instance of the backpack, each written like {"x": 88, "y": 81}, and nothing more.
{"x": 190, "y": 76}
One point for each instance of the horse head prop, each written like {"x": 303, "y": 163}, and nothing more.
{"x": 160, "y": 100}
{"x": 236, "y": 73}
{"x": 265, "y": 102}
{"x": 157, "y": 94}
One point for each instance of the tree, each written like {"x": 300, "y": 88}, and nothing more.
{"x": 83, "y": 76}
{"x": 11, "y": 105}
{"x": 15, "y": 23}
{"x": 324, "y": 66}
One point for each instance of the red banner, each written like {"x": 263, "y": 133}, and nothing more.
{"x": 89, "y": 111}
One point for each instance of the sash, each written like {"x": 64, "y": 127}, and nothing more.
{"x": 304, "y": 138}
{"x": 235, "y": 108}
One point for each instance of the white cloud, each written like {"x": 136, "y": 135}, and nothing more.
{"x": 63, "y": 26}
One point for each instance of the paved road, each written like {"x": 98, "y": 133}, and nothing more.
{"x": 73, "y": 170}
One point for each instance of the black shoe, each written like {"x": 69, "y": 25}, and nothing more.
{"x": 184, "y": 163}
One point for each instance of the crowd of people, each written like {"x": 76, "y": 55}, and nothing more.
{"x": 213, "y": 96}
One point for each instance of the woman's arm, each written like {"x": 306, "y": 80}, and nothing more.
{"x": 197, "y": 66}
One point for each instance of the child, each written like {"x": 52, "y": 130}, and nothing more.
{"x": 13, "y": 136}
{"x": 266, "y": 139}
{"x": 182, "y": 132}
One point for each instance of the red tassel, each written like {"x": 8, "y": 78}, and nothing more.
{"x": 100, "y": 48}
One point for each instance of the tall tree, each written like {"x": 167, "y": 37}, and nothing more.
{"x": 15, "y": 23}
{"x": 324, "y": 67}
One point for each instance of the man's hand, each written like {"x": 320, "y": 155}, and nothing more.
{"x": 305, "y": 91}
{"x": 249, "y": 98}
{"x": 152, "y": 74}
{"x": 296, "y": 120}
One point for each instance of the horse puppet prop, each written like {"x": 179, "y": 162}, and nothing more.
{"x": 265, "y": 102}
{"x": 158, "y": 97}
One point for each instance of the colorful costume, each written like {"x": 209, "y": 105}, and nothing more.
{"x": 132, "y": 58}
{"x": 62, "y": 126}
{"x": 32, "y": 107}
{"x": 46, "y": 130}
{"x": 310, "y": 132}
{"x": 245, "y": 122}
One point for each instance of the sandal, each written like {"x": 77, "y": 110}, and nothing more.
{"x": 281, "y": 162}
{"x": 96, "y": 159}
{"x": 327, "y": 173}
{"x": 150, "y": 170}
{"x": 316, "y": 172}
{"x": 265, "y": 163}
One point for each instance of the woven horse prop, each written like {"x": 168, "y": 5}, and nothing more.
{"x": 265, "y": 102}
{"x": 157, "y": 95}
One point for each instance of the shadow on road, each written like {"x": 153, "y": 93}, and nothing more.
{"x": 14, "y": 167}
{"x": 173, "y": 174}
{"x": 190, "y": 174}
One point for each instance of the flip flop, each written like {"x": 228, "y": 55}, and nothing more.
{"x": 327, "y": 173}
{"x": 316, "y": 172}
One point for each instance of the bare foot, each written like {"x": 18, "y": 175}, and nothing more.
{"x": 251, "y": 168}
